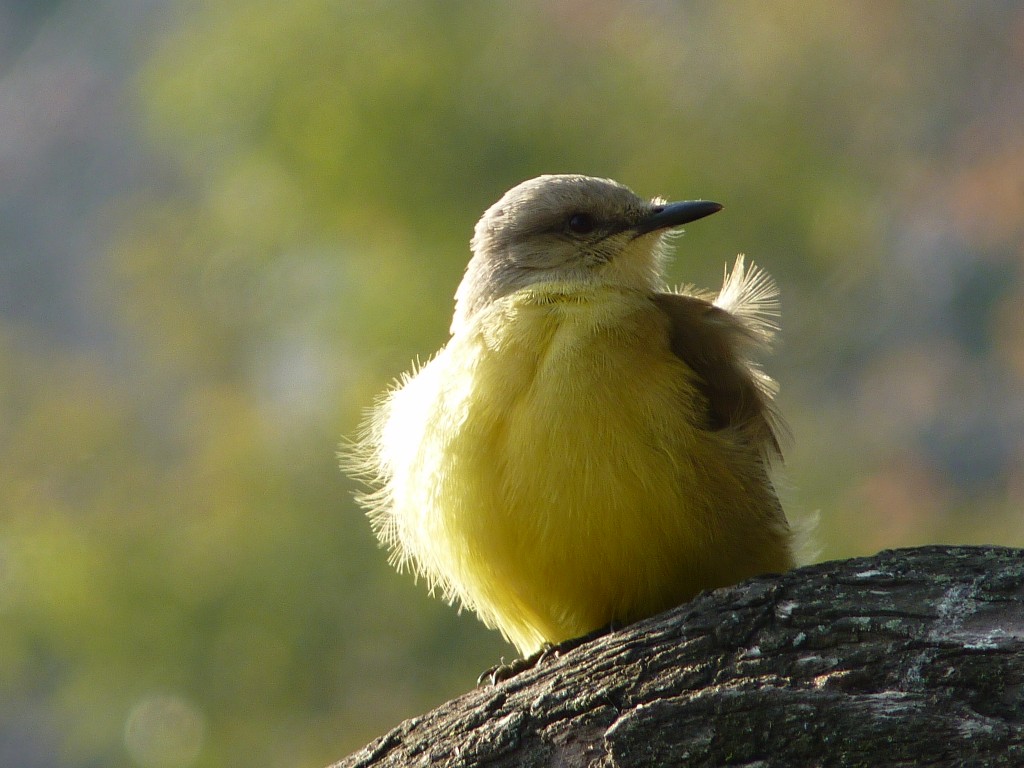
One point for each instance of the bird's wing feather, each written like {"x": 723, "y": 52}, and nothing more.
{"x": 715, "y": 336}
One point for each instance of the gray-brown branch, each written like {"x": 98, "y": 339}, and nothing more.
{"x": 911, "y": 657}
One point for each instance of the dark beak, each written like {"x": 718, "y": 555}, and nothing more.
{"x": 675, "y": 214}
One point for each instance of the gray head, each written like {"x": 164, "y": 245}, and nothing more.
{"x": 571, "y": 231}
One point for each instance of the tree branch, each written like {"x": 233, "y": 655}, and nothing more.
{"x": 911, "y": 657}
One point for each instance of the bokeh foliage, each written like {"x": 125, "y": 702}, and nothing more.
{"x": 184, "y": 578}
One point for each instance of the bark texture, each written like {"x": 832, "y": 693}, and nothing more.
{"x": 911, "y": 657}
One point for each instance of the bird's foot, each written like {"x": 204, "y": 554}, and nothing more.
{"x": 501, "y": 672}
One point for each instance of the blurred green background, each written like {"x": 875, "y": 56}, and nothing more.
{"x": 226, "y": 227}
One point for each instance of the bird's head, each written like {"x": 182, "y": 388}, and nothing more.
{"x": 569, "y": 231}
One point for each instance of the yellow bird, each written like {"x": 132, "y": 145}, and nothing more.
{"x": 589, "y": 448}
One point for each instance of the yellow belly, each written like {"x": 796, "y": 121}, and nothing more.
{"x": 548, "y": 470}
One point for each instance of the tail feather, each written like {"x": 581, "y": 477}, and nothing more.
{"x": 751, "y": 296}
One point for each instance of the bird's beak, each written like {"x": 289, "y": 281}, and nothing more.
{"x": 674, "y": 214}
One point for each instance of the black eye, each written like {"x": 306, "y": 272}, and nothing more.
{"x": 580, "y": 224}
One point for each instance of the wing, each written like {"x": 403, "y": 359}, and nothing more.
{"x": 715, "y": 338}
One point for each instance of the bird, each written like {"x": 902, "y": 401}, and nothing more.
{"x": 590, "y": 447}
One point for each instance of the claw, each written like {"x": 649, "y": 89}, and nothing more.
{"x": 502, "y": 672}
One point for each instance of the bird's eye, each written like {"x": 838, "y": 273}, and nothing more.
{"x": 580, "y": 224}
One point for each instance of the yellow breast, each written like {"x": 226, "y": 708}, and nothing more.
{"x": 549, "y": 469}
